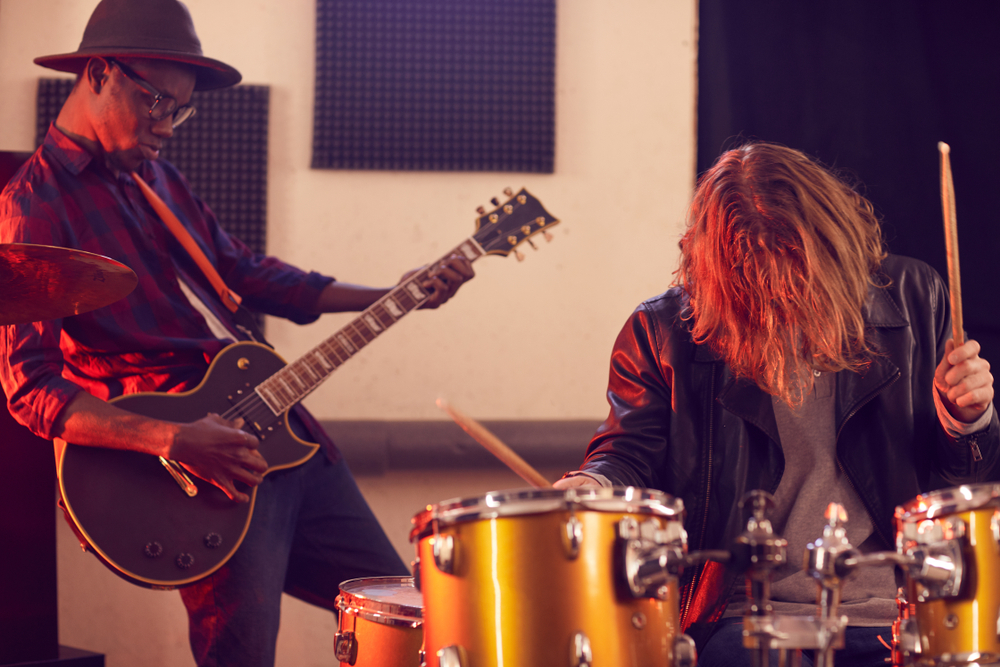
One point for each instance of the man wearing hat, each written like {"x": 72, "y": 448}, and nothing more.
{"x": 137, "y": 66}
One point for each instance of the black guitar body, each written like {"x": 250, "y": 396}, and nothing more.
{"x": 137, "y": 519}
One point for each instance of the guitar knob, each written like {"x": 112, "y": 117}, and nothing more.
{"x": 184, "y": 561}
{"x": 153, "y": 549}
{"x": 508, "y": 192}
{"x": 213, "y": 540}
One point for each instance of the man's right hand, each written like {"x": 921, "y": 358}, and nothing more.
{"x": 575, "y": 482}
{"x": 220, "y": 452}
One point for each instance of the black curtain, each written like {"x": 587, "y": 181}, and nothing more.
{"x": 870, "y": 88}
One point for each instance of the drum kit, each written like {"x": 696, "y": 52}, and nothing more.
{"x": 589, "y": 577}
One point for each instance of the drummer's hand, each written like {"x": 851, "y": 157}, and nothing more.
{"x": 575, "y": 482}
{"x": 964, "y": 382}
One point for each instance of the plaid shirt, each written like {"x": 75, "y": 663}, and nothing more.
{"x": 153, "y": 339}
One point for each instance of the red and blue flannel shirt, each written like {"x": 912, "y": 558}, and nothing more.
{"x": 153, "y": 339}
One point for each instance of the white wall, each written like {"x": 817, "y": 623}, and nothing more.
{"x": 521, "y": 341}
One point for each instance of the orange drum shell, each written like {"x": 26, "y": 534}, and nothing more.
{"x": 389, "y": 641}
{"x": 382, "y": 645}
{"x": 515, "y": 598}
{"x": 976, "y": 611}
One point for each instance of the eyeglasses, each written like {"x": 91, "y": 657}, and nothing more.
{"x": 163, "y": 105}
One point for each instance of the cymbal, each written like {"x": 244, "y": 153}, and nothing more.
{"x": 40, "y": 282}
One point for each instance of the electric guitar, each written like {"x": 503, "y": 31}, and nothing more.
{"x": 155, "y": 525}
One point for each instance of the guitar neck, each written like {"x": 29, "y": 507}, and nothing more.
{"x": 296, "y": 380}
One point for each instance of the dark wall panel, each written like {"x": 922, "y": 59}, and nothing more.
{"x": 870, "y": 88}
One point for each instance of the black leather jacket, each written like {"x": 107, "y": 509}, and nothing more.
{"x": 681, "y": 423}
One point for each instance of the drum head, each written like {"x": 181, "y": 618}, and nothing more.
{"x": 387, "y": 600}
{"x": 519, "y": 502}
{"x": 966, "y": 498}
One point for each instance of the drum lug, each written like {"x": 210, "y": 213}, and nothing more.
{"x": 650, "y": 556}
{"x": 444, "y": 553}
{"x": 452, "y": 656}
{"x": 572, "y": 537}
{"x": 995, "y": 526}
{"x": 415, "y": 567}
{"x": 685, "y": 652}
{"x": 938, "y": 569}
{"x": 580, "y": 654}
{"x": 345, "y": 647}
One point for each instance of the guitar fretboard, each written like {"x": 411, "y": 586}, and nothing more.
{"x": 296, "y": 380}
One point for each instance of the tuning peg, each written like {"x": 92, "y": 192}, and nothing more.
{"x": 495, "y": 201}
{"x": 508, "y": 192}
{"x": 548, "y": 237}
{"x": 520, "y": 257}
{"x": 532, "y": 244}
{"x": 481, "y": 210}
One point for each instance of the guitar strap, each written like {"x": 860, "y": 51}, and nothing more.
{"x": 242, "y": 318}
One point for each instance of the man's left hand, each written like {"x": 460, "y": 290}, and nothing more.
{"x": 964, "y": 381}
{"x": 444, "y": 279}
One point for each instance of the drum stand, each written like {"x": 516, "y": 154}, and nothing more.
{"x": 931, "y": 557}
{"x": 761, "y": 552}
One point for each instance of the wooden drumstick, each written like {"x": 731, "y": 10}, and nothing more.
{"x": 495, "y": 446}
{"x": 951, "y": 243}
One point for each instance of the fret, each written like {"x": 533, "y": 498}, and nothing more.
{"x": 385, "y": 318}
{"x": 353, "y": 335}
{"x": 269, "y": 398}
{"x": 293, "y": 380}
{"x": 405, "y": 301}
{"x": 308, "y": 368}
{"x": 345, "y": 343}
{"x": 323, "y": 361}
{"x": 362, "y": 332}
{"x": 415, "y": 291}
{"x": 382, "y": 314}
{"x": 340, "y": 351}
{"x": 372, "y": 323}
{"x": 288, "y": 393}
{"x": 393, "y": 307}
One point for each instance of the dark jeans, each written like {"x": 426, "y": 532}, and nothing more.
{"x": 311, "y": 530}
{"x": 861, "y": 648}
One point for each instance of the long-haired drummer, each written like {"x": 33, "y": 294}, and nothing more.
{"x": 796, "y": 356}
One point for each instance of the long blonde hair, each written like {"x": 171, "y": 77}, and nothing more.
{"x": 777, "y": 260}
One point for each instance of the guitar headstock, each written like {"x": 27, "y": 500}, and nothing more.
{"x": 522, "y": 216}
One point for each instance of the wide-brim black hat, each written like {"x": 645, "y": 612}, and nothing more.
{"x": 158, "y": 29}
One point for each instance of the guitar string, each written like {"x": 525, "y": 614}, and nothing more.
{"x": 253, "y": 407}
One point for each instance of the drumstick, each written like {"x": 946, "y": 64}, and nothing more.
{"x": 495, "y": 446}
{"x": 951, "y": 243}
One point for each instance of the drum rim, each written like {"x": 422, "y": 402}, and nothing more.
{"x": 945, "y": 502}
{"x": 379, "y": 611}
{"x": 529, "y": 501}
